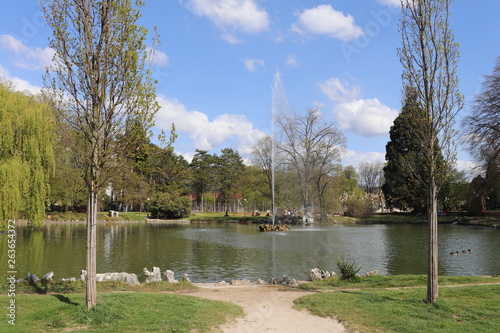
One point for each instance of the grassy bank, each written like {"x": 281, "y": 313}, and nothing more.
{"x": 370, "y": 306}
{"x": 121, "y": 308}
{"x": 233, "y": 217}
{"x": 102, "y": 216}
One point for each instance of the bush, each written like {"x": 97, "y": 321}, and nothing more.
{"x": 170, "y": 206}
{"x": 359, "y": 208}
{"x": 348, "y": 270}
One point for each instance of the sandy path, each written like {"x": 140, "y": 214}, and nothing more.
{"x": 267, "y": 309}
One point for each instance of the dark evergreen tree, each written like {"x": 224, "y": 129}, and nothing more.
{"x": 203, "y": 175}
{"x": 230, "y": 167}
{"x": 401, "y": 188}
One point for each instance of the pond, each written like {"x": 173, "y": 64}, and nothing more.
{"x": 214, "y": 252}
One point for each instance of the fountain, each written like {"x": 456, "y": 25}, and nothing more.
{"x": 279, "y": 105}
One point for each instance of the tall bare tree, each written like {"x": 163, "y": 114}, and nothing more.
{"x": 429, "y": 57}
{"x": 371, "y": 176}
{"x": 483, "y": 125}
{"x": 311, "y": 147}
{"x": 102, "y": 88}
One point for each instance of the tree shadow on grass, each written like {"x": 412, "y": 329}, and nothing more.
{"x": 65, "y": 299}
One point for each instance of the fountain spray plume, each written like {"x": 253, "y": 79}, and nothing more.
{"x": 279, "y": 106}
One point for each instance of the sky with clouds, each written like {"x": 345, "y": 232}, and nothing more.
{"x": 217, "y": 63}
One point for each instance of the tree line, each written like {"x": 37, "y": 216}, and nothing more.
{"x": 308, "y": 175}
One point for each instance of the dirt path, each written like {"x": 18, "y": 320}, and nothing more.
{"x": 267, "y": 309}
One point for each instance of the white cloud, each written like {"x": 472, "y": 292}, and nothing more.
{"x": 26, "y": 57}
{"x": 157, "y": 57}
{"x": 471, "y": 169}
{"x": 291, "y": 60}
{"x": 205, "y": 133}
{"x": 366, "y": 117}
{"x": 338, "y": 90}
{"x": 324, "y": 20}
{"x": 231, "y": 39}
{"x": 251, "y": 64}
{"x": 394, "y": 3}
{"x": 354, "y": 158}
{"x": 242, "y": 15}
{"x": 17, "y": 83}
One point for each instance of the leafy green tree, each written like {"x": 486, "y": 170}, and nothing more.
{"x": 170, "y": 205}
{"x": 101, "y": 87}
{"x": 455, "y": 192}
{"x": 26, "y": 156}
{"x": 349, "y": 180}
{"x": 170, "y": 171}
{"x": 253, "y": 188}
{"x": 67, "y": 187}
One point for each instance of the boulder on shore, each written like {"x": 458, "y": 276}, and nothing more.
{"x": 129, "y": 278}
{"x": 48, "y": 277}
{"x": 170, "y": 276}
{"x": 186, "y": 278}
{"x": 154, "y": 276}
{"x": 286, "y": 281}
{"x": 318, "y": 274}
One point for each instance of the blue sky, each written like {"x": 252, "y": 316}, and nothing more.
{"x": 218, "y": 59}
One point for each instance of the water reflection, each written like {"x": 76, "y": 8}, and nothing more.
{"x": 214, "y": 252}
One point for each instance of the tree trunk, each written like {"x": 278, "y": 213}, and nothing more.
{"x": 91, "y": 245}
{"x": 432, "y": 274}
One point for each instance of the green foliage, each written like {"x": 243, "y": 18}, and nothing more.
{"x": 217, "y": 174}
{"x": 67, "y": 187}
{"x": 170, "y": 206}
{"x": 348, "y": 270}
{"x": 359, "y": 208}
{"x": 402, "y": 188}
{"x": 26, "y": 156}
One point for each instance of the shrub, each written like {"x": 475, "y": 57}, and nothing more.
{"x": 348, "y": 270}
{"x": 358, "y": 208}
{"x": 170, "y": 206}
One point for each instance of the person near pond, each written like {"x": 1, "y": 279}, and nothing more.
{"x": 482, "y": 213}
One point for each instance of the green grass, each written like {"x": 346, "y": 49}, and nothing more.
{"x": 370, "y": 307}
{"x": 118, "y": 312}
{"x": 102, "y": 216}
{"x": 395, "y": 281}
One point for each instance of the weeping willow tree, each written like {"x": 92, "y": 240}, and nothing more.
{"x": 26, "y": 156}
{"x": 102, "y": 88}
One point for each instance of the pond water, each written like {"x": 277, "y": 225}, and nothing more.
{"x": 215, "y": 252}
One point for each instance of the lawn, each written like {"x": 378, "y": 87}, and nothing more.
{"x": 375, "y": 306}
{"x": 117, "y": 312}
